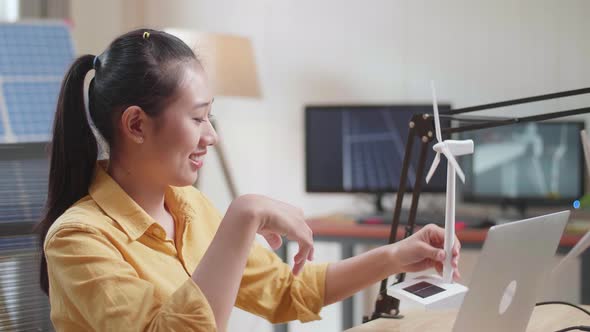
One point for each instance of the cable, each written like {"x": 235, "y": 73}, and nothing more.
{"x": 575, "y": 328}
{"x": 564, "y": 303}
{"x": 571, "y": 328}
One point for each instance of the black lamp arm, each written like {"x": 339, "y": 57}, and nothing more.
{"x": 420, "y": 126}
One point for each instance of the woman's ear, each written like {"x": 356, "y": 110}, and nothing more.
{"x": 134, "y": 124}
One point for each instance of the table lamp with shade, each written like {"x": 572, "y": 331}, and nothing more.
{"x": 229, "y": 62}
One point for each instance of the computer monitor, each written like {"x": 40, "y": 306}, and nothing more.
{"x": 361, "y": 148}
{"x": 525, "y": 164}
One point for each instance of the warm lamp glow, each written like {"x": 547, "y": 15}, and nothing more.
{"x": 227, "y": 59}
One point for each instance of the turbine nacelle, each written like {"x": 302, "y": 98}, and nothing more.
{"x": 457, "y": 148}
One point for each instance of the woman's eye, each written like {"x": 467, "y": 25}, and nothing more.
{"x": 200, "y": 120}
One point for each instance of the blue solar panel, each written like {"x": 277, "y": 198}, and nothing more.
{"x": 37, "y": 50}
{"x": 31, "y": 106}
{"x": 33, "y": 59}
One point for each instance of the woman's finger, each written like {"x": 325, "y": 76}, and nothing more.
{"x": 456, "y": 246}
{"x": 274, "y": 240}
{"x": 311, "y": 253}
{"x": 300, "y": 259}
{"x": 438, "y": 267}
{"x": 305, "y": 241}
{"x": 456, "y": 275}
{"x": 303, "y": 251}
{"x": 433, "y": 235}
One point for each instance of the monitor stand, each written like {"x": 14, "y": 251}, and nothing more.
{"x": 379, "y": 204}
{"x": 379, "y": 215}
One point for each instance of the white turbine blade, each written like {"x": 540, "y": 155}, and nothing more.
{"x": 453, "y": 162}
{"x": 433, "y": 167}
{"x": 580, "y": 247}
{"x": 435, "y": 109}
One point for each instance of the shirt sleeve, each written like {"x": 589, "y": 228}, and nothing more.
{"x": 89, "y": 276}
{"x": 269, "y": 288}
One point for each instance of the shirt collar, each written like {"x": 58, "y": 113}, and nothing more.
{"x": 118, "y": 205}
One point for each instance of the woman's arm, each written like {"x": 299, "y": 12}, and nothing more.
{"x": 346, "y": 277}
{"x": 416, "y": 253}
{"x": 219, "y": 273}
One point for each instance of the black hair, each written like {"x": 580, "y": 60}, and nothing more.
{"x": 139, "y": 68}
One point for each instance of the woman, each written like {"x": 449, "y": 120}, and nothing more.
{"x": 129, "y": 244}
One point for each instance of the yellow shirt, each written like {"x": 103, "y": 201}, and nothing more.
{"x": 111, "y": 267}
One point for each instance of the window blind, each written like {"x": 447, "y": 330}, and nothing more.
{"x": 23, "y": 190}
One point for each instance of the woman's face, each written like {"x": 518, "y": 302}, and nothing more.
{"x": 178, "y": 138}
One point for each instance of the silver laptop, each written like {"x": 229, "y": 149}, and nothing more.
{"x": 510, "y": 270}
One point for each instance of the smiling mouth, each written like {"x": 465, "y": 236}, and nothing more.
{"x": 197, "y": 159}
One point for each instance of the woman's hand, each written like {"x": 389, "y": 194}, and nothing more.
{"x": 423, "y": 250}
{"x": 275, "y": 219}
{"x": 416, "y": 253}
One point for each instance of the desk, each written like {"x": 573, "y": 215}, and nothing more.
{"x": 544, "y": 318}
{"x": 348, "y": 234}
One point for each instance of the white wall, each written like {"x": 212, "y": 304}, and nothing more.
{"x": 96, "y": 23}
{"x": 379, "y": 51}
{"x": 360, "y": 52}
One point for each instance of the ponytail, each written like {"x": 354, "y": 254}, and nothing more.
{"x": 73, "y": 151}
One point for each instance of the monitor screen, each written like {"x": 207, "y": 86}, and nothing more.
{"x": 539, "y": 162}
{"x": 361, "y": 149}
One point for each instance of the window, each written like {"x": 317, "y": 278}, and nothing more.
{"x": 9, "y": 10}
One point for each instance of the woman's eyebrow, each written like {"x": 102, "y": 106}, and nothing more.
{"x": 207, "y": 103}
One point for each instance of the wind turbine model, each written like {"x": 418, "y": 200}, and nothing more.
{"x": 432, "y": 292}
